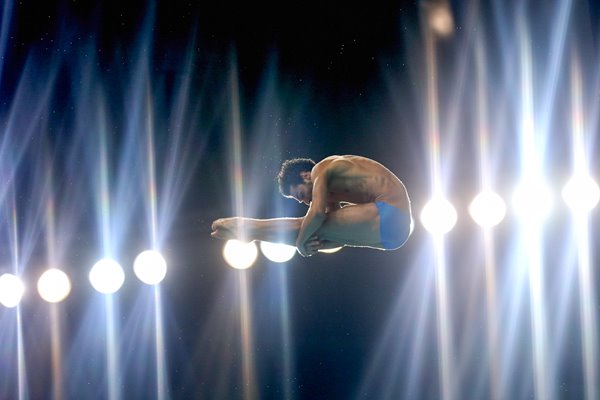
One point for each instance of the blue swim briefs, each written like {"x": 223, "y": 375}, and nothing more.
{"x": 394, "y": 225}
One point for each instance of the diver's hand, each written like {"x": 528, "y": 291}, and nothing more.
{"x": 310, "y": 247}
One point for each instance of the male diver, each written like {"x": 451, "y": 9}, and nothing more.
{"x": 353, "y": 201}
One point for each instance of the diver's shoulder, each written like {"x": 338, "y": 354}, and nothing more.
{"x": 331, "y": 158}
{"x": 333, "y": 165}
{"x": 344, "y": 158}
{"x": 343, "y": 162}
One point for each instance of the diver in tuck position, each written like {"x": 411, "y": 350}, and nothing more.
{"x": 353, "y": 201}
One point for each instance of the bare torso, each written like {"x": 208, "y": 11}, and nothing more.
{"x": 360, "y": 180}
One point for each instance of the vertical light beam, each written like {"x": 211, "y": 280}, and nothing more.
{"x": 22, "y": 371}
{"x": 235, "y": 155}
{"x": 589, "y": 329}
{"x": 531, "y": 226}
{"x": 488, "y": 237}
{"x": 151, "y": 173}
{"x": 162, "y": 387}
{"x": 111, "y": 349}
{"x": 55, "y": 331}
{"x": 104, "y": 209}
{"x": 161, "y": 375}
{"x": 250, "y": 390}
{"x": 444, "y": 330}
{"x": 57, "y": 376}
{"x": 112, "y": 367}
{"x": 245, "y": 315}
{"x": 284, "y": 309}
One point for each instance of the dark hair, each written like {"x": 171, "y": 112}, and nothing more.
{"x": 289, "y": 174}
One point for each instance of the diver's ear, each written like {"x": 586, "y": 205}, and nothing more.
{"x": 305, "y": 175}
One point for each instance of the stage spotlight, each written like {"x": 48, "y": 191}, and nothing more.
{"x": 581, "y": 193}
{"x": 438, "y": 216}
{"x": 440, "y": 19}
{"x": 487, "y": 209}
{"x": 54, "y": 285}
{"x": 150, "y": 267}
{"x": 240, "y": 255}
{"x": 277, "y": 252}
{"x": 11, "y": 290}
{"x": 107, "y": 276}
{"x": 532, "y": 200}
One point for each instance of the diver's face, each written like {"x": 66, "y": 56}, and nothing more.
{"x": 302, "y": 192}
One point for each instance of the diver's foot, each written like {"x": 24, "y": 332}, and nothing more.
{"x": 226, "y": 228}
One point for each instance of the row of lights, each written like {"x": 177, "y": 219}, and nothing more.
{"x": 106, "y": 276}
{"x": 242, "y": 255}
{"x": 531, "y": 200}
{"x": 488, "y": 209}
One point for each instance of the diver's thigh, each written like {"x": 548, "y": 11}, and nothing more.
{"x": 356, "y": 224}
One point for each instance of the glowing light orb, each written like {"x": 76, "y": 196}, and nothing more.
{"x": 150, "y": 267}
{"x": 581, "y": 193}
{"x": 440, "y": 20}
{"x": 240, "y": 255}
{"x": 107, "y": 276}
{"x": 11, "y": 290}
{"x": 277, "y": 252}
{"x": 532, "y": 201}
{"x": 487, "y": 209}
{"x": 54, "y": 285}
{"x": 331, "y": 251}
{"x": 439, "y": 216}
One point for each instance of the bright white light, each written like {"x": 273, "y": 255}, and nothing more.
{"x": 487, "y": 209}
{"x": 277, "y": 252}
{"x": 240, "y": 255}
{"x": 150, "y": 267}
{"x": 533, "y": 201}
{"x": 54, "y": 285}
{"x": 107, "y": 276}
{"x": 581, "y": 193}
{"x": 438, "y": 216}
{"x": 331, "y": 251}
{"x": 11, "y": 290}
